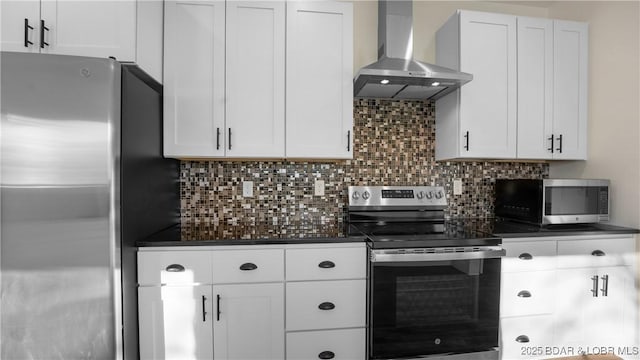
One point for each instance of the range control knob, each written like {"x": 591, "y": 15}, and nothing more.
{"x": 420, "y": 194}
{"x": 429, "y": 195}
{"x": 355, "y": 195}
{"x": 366, "y": 195}
{"x": 439, "y": 194}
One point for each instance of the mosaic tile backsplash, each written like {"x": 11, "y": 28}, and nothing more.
{"x": 394, "y": 144}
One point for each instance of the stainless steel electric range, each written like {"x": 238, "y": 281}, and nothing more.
{"x": 434, "y": 284}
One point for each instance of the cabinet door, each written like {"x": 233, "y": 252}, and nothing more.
{"x": 616, "y": 313}
{"x": 535, "y": 84}
{"x": 570, "y": 47}
{"x": 255, "y": 79}
{"x": 575, "y": 305}
{"x": 90, "y": 28}
{"x": 175, "y": 322}
{"x": 488, "y": 103}
{"x": 194, "y": 78}
{"x": 20, "y": 25}
{"x": 319, "y": 80}
{"x": 249, "y": 321}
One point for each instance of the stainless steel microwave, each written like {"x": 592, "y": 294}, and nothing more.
{"x": 552, "y": 201}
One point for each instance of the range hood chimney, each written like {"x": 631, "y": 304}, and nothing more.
{"x": 396, "y": 75}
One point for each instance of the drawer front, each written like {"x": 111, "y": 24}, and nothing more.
{"x": 326, "y": 304}
{"x": 527, "y": 293}
{"x": 348, "y": 344}
{"x": 174, "y": 267}
{"x": 529, "y": 256}
{"x": 596, "y": 253}
{"x": 245, "y": 266}
{"x": 326, "y": 263}
{"x": 528, "y": 337}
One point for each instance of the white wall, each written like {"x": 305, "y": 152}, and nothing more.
{"x": 614, "y": 102}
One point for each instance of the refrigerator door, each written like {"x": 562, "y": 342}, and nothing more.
{"x": 59, "y": 238}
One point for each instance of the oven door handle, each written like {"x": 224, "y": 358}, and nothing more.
{"x": 382, "y": 256}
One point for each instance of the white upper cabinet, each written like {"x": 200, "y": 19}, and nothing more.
{"x": 225, "y": 87}
{"x": 570, "y": 46}
{"x": 126, "y": 30}
{"x": 194, "y": 78}
{"x": 479, "y": 119}
{"x": 552, "y": 89}
{"x": 535, "y": 110}
{"x": 20, "y": 25}
{"x": 535, "y": 83}
{"x": 255, "y": 69}
{"x": 319, "y": 80}
{"x": 89, "y": 28}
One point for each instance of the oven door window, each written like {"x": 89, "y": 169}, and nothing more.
{"x": 434, "y": 307}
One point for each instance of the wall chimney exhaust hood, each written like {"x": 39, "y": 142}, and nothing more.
{"x": 396, "y": 75}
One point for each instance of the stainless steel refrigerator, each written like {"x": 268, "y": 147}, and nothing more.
{"x": 82, "y": 178}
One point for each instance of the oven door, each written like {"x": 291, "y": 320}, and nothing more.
{"x": 425, "y": 304}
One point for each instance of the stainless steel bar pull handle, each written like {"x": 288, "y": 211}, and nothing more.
{"x": 551, "y": 148}
{"x": 175, "y": 268}
{"x": 27, "y": 27}
{"x": 598, "y": 253}
{"x": 204, "y": 311}
{"x": 218, "y": 307}
{"x": 466, "y": 136}
{"x": 560, "y": 144}
{"x": 42, "y": 30}
{"x": 594, "y": 289}
{"x": 605, "y": 285}
{"x": 522, "y": 339}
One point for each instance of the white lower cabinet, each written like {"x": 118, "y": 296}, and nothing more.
{"x": 228, "y": 302}
{"x": 563, "y": 295}
{"x": 526, "y": 337}
{"x": 346, "y": 344}
{"x": 325, "y": 304}
{"x": 248, "y": 321}
{"x": 175, "y": 322}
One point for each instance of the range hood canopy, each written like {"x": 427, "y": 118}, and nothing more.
{"x": 396, "y": 75}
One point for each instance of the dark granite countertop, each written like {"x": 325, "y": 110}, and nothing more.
{"x": 338, "y": 232}
{"x": 252, "y": 234}
{"x": 510, "y": 229}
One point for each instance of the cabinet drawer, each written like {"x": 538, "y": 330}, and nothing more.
{"x": 526, "y": 337}
{"x": 527, "y": 293}
{"x": 326, "y": 304}
{"x": 174, "y": 267}
{"x": 584, "y": 253}
{"x": 243, "y": 266}
{"x": 529, "y": 256}
{"x": 348, "y": 344}
{"x": 326, "y": 263}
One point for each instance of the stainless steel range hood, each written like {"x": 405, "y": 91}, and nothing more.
{"x": 396, "y": 75}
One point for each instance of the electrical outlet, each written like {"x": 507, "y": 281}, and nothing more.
{"x": 319, "y": 188}
{"x": 457, "y": 187}
{"x": 247, "y": 188}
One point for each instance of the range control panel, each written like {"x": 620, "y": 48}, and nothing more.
{"x": 397, "y": 196}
